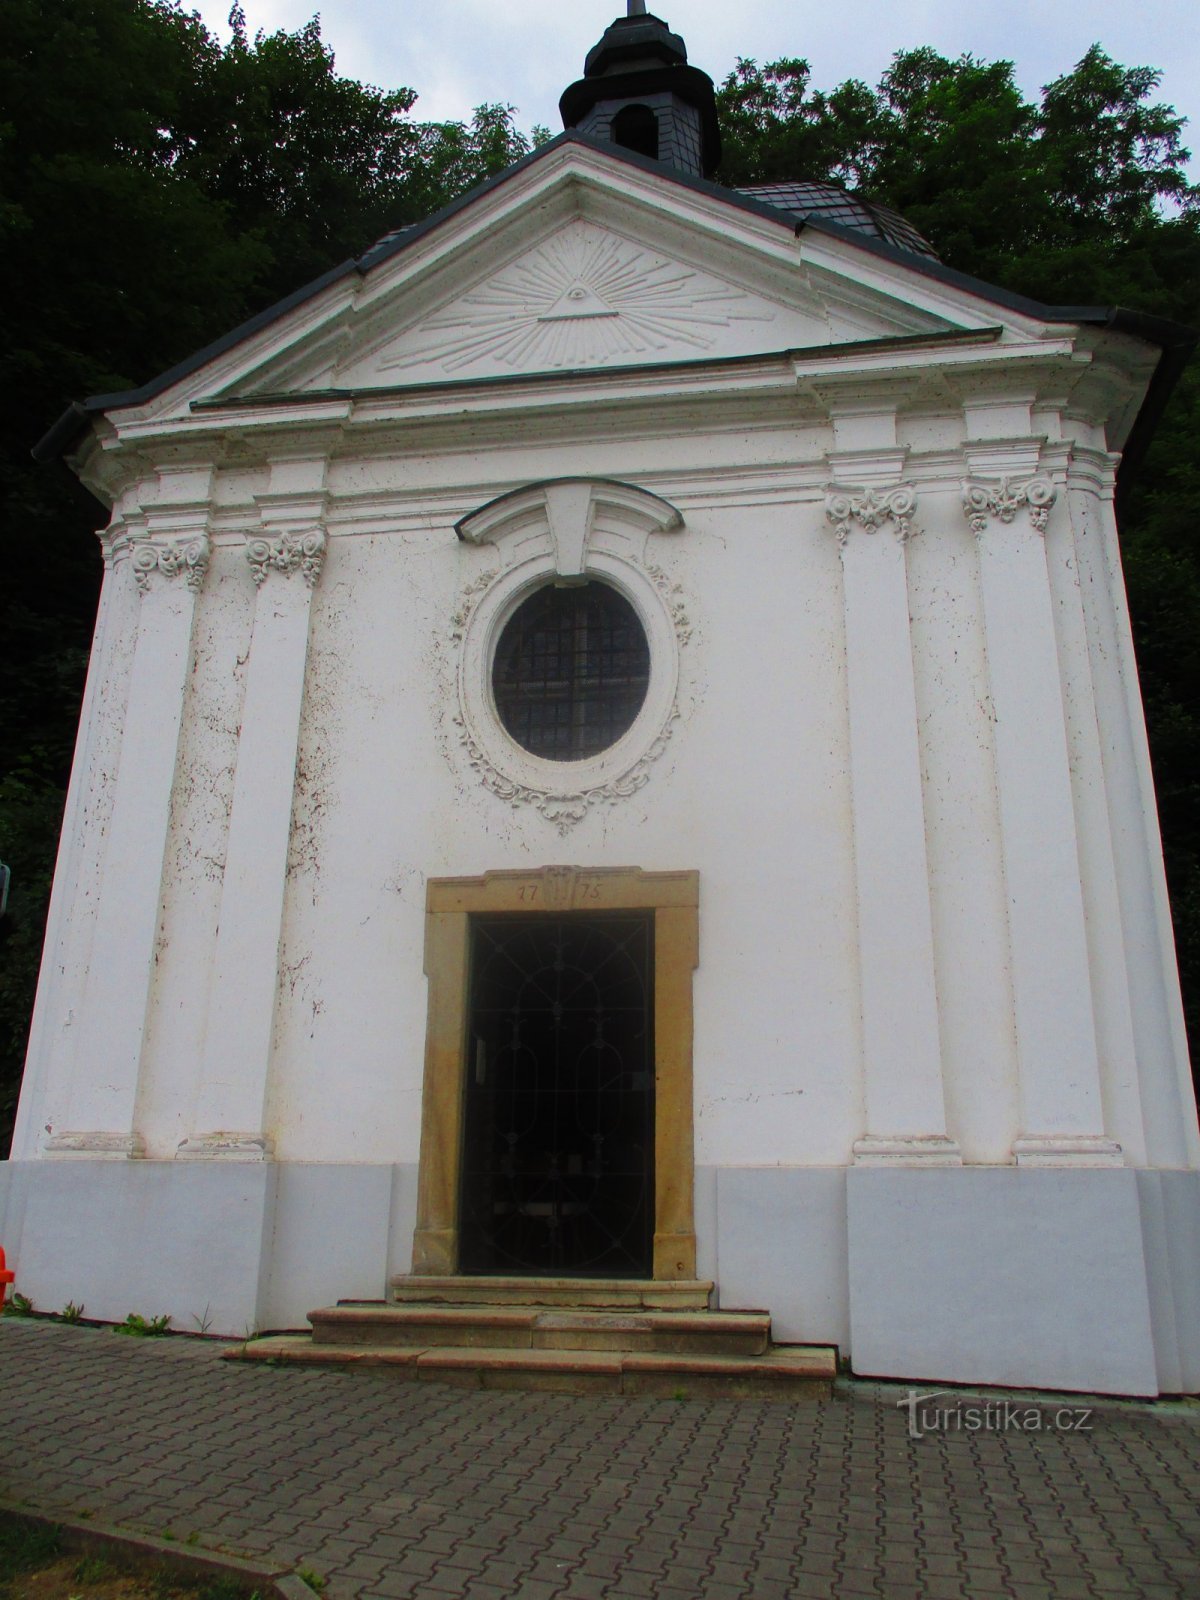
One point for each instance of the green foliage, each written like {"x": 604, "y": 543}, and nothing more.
{"x": 93, "y": 1569}
{"x": 19, "y": 1305}
{"x": 313, "y": 1579}
{"x": 25, "y": 1545}
{"x": 138, "y": 1327}
{"x": 28, "y": 1546}
{"x": 71, "y": 1313}
{"x": 1004, "y": 189}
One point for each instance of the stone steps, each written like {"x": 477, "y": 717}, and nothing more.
{"x": 524, "y": 1327}
{"x": 788, "y": 1373}
{"x": 611, "y": 1294}
{"x": 574, "y": 1335}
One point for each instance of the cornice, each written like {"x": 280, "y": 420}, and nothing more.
{"x": 813, "y": 372}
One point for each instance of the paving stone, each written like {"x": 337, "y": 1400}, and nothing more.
{"x": 944, "y": 1587}
{"x": 1106, "y": 1583}
{"x": 427, "y": 1492}
{"x": 805, "y": 1586}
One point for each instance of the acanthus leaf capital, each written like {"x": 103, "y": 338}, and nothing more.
{"x": 872, "y": 509}
{"x": 188, "y": 558}
{"x": 1000, "y": 501}
{"x": 289, "y": 552}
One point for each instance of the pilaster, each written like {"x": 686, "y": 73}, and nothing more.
{"x": 167, "y": 561}
{"x": 1061, "y": 1113}
{"x": 905, "y": 1101}
{"x": 1168, "y": 1110}
{"x": 285, "y": 556}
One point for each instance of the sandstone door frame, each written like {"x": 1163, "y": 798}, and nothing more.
{"x": 674, "y": 898}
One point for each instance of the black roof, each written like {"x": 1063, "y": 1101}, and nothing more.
{"x": 868, "y": 231}
{"x": 835, "y": 204}
{"x": 635, "y": 39}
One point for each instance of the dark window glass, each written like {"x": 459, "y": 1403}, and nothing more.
{"x": 571, "y": 671}
{"x": 636, "y": 129}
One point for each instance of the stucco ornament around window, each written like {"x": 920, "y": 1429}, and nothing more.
{"x": 873, "y": 510}
{"x": 186, "y": 558}
{"x": 985, "y": 502}
{"x": 291, "y": 552}
{"x": 567, "y": 532}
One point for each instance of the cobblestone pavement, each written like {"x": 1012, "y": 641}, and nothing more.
{"x": 395, "y": 1489}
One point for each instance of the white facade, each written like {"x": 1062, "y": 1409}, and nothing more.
{"x": 943, "y": 1113}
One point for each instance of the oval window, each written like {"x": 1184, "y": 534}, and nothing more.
{"x": 571, "y": 671}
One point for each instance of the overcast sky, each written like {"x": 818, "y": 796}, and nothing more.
{"x": 459, "y": 53}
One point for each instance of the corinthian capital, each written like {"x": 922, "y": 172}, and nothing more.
{"x": 872, "y": 510}
{"x": 290, "y": 552}
{"x": 188, "y": 557}
{"x": 1000, "y": 501}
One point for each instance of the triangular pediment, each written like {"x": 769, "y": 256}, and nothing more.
{"x": 584, "y": 297}
{"x": 572, "y": 262}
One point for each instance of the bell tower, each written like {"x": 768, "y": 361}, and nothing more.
{"x": 637, "y": 91}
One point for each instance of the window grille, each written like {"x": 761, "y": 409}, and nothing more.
{"x": 571, "y": 671}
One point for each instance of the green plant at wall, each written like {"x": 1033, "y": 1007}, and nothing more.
{"x": 139, "y": 1327}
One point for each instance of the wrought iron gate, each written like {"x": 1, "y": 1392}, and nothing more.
{"x": 558, "y": 1157}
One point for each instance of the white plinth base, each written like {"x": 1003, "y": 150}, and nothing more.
{"x": 1075, "y": 1278}
{"x": 228, "y": 1246}
{"x": 1001, "y": 1275}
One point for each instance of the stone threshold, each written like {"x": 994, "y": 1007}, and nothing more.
{"x": 614, "y": 1294}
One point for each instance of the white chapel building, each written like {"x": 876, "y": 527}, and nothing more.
{"x": 612, "y": 750}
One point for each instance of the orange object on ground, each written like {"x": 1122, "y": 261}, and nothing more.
{"x": 6, "y": 1277}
